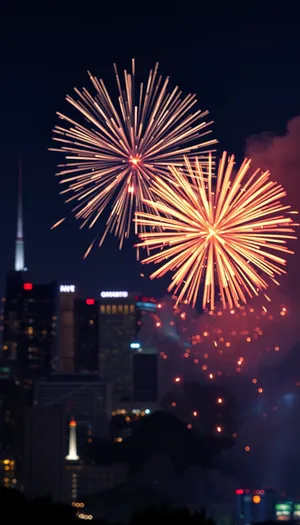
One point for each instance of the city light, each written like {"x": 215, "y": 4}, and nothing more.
{"x": 135, "y": 345}
{"x": 67, "y": 288}
{"x": 114, "y": 294}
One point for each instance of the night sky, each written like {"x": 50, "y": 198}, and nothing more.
{"x": 246, "y": 75}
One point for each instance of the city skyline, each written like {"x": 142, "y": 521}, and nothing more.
{"x": 114, "y": 393}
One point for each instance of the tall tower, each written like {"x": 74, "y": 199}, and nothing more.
{"x": 19, "y": 255}
{"x": 72, "y": 456}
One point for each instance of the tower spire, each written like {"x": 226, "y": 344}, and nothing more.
{"x": 72, "y": 456}
{"x": 19, "y": 254}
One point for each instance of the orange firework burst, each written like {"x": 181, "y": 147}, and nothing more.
{"x": 227, "y": 232}
{"x": 114, "y": 156}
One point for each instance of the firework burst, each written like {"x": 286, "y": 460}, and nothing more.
{"x": 112, "y": 158}
{"x": 231, "y": 233}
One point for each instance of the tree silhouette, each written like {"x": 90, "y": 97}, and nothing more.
{"x": 15, "y": 505}
{"x": 167, "y": 516}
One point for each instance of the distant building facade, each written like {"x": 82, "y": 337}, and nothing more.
{"x": 83, "y": 396}
{"x": 86, "y": 338}
{"x": 122, "y": 316}
{"x": 66, "y": 328}
{"x": 29, "y": 328}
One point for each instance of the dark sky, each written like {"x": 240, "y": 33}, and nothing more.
{"x": 246, "y": 75}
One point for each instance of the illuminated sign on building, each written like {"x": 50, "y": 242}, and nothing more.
{"x": 112, "y": 295}
{"x": 284, "y": 511}
{"x": 67, "y": 288}
{"x": 135, "y": 345}
{"x": 146, "y": 306}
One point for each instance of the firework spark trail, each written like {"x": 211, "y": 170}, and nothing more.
{"x": 115, "y": 155}
{"x": 222, "y": 232}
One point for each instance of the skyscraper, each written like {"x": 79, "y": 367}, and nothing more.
{"x": 117, "y": 329}
{"x": 29, "y": 316}
{"x": 86, "y": 325}
{"x": 14, "y": 282}
{"x": 66, "y": 327}
{"x": 29, "y": 328}
{"x": 127, "y": 346}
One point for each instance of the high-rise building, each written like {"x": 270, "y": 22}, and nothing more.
{"x": 66, "y": 327}
{"x": 126, "y": 335}
{"x": 29, "y": 328}
{"x": 12, "y": 310}
{"x": 117, "y": 329}
{"x": 144, "y": 353}
{"x": 29, "y": 325}
{"x": 145, "y": 378}
{"x": 86, "y": 325}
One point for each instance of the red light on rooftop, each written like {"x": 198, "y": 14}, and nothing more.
{"x": 27, "y": 286}
{"x": 72, "y": 423}
{"x": 90, "y": 301}
{"x": 239, "y": 491}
